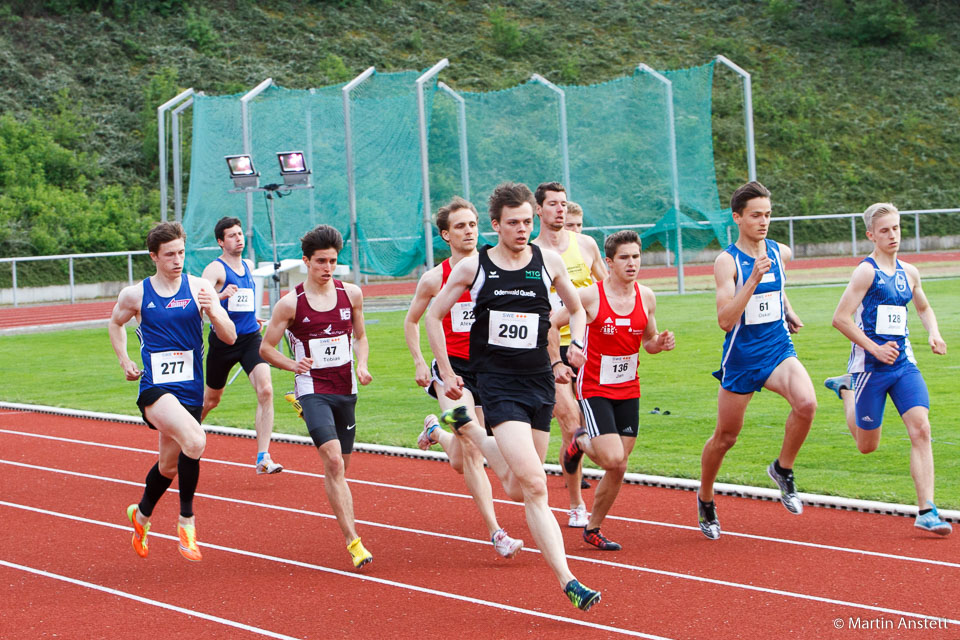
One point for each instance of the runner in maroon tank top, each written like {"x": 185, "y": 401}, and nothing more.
{"x": 620, "y": 321}
{"x": 324, "y": 319}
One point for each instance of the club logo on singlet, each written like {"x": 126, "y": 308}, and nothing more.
{"x": 344, "y": 314}
{"x": 532, "y": 274}
{"x": 901, "y": 283}
{"x": 178, "y": 304}
{"x": 608, "y": 327}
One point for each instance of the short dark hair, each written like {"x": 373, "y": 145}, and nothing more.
{"x": 746, "y": 193}
{"x": 321, "y": 237}
{"x": 224, "y": 223}
{"x": 541, "y": 192}
{"x": 457, "y": 203}
{"x": 509, "y": 194}
{"x": 614, "y": 240}
{"x": 164, "y": 232}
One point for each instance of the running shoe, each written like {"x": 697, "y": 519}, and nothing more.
{"x": 360, "y": 555}
{"x": 930, "y": 521}
{"x": 266, "y": 465}
{"x": 582, "y": 597}
{"x": 291, "y": 397}
{"x": 839, "y": 383}
{"x": 456, "y": 417}
{"x": 788, "y": 492}
{"x": 597, "y": 539}
{"x": 578, "y": 517}
{"x": 707, "y": 515}
{"x": 572, "y": 454}
{"x": 505, "y": 545}
{"x": 188, "y": 542}
{"x": 429, "y": 424}
{"x": 583, "y": 483}
{"x": 140, "y": 532}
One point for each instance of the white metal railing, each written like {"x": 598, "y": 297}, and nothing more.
{"x": 70, "y": 257}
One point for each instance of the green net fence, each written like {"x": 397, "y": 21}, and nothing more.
{"x": 620, "y": 166}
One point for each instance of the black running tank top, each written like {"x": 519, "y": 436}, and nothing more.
{"x": 512, "y": 311}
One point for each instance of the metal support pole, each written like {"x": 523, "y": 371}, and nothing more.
{"x": 425, "y": 159}
{"x": 793, "y": 251}
{"x": 351, "y": 186}
{"x": 672, "y": 136}
{"x": 462, "y": 131}
{"x": 177, "y": 144}
{"x": 747, "y": 114}
{"x": 13, "y": 266}
{"x": 130, "y": 269}
{"x": 564, "y": 149}
{"x": 70, "y": 268}
{"x": 916, "y": 231}
{"x": 853, "y": 236}
{"x": 245, "y": 122}
{"x": 162, "y": 147}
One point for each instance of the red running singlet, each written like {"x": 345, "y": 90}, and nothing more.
{"x": 457, "y": 323}
{"x": 327, "y": 337}
{"x": 611, "y": 344}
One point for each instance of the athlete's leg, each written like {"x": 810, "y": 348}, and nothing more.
{"x": 211, "y": 398}
{"x": 263, "y": 385}
{"x": 917, "y": 421}
{"x": 514, "y": 440}
{"x": 610, "y": 451}
{"x": 567, "y": 412}
{"x": 850, "y": 414}
{"x": 335, "y": 484}
{"x": 791, "y": 381}
{"x": 180, "y": 434}
{"x": 731, "y": 408}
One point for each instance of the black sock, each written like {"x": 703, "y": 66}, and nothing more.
{"x": 925, "y": 511}
{"x": 156, "y": 485}
{"x": 189, "y": 471}
{"x": 781, "y": 470}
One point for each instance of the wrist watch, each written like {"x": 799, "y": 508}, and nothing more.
{"x": 577, "y": 344}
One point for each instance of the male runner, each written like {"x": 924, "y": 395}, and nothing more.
{"x": 573, "y": 221}
{"x": 581, "y": 258}
{"x": 509, "y": 284}
{"x": 457, "y": 223}
{"x": 324, "y": 321}
{"x": 230, "y": 275}
{"x": 881, "y": 358}
{"x": 620, "y": 320}
{"x": 169, "y": 307}
{"x": 753, "y": 309}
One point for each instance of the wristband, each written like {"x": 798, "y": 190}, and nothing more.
{"x": 577, "y": 344}
{"x": 556, "y": 363}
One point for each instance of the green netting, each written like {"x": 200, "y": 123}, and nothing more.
{"x": 619, "y": 158}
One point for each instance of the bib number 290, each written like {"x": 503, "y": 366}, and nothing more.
{"x": 513, "y": 330}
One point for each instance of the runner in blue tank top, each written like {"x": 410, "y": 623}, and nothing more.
{"x": 881, "y": 359}
{"x": 753, "y": 309}
{"x": 230, "y": 275}
{"x": 168, "y": 306}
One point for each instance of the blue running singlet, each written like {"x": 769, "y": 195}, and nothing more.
{"x": 241, "y": 306}
{"x": 882, "y": 315}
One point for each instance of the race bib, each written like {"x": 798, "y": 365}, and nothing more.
{"x": 171, "y": 366}
{"x": 763, "y": 308}
{"x": 513, "y": 330}
{"x": 461, "y": 317}
{"x": 617, "y": 369}
{"x": 242, "y": 300}
{"x": 555, "y": 301}
{"x": 330, "y": 352}
{"x": 891, "y": 320}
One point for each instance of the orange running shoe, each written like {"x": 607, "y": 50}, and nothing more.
{"x": 188, "y": 542}
{"x": 139, "y": 532}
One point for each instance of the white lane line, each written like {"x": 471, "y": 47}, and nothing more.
{"x": 141, "y": 599}
{"x": 356, "y": 576}
{"x": 448, "y": 494}
{"x": 590, "y": 560}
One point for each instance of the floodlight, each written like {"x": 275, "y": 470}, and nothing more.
{"x": 242, "y": 172}
{"x": 293, "y": 168}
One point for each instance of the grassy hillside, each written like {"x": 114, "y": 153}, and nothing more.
{"x": 855, "y": 100}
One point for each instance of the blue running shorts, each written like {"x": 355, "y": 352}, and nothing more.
{"x": 904, "y": 384}
{"x": 745, "y": 381}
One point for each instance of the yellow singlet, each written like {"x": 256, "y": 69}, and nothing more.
{"x": 579, "y": 273}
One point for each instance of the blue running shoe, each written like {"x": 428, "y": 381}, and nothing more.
{"x": 582, "y": 597}
{"x": 839, "y": 383}
{"x": 456, "y": 417}
{"x": 932, "y": 522}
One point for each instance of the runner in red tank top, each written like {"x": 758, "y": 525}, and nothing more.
{"x": 324, "y": 318}
{"x": 620, "y": 320}
{"x": 457, "y": 223}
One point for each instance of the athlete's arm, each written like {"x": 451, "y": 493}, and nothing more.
{"x": 459, "y": 280}
{"x": 843, "y": 317}
{"x": 925, "y": 311}
{"x": 568, "y": 293}
{"x": 794, "y": 324}
{"x": 209, "y": 303}
{"x": 283, "y": 316}
{"x": 730, "y": 302}
{"x": 651, "y": 341}
{"x": 361, "y": 348}
{"x": 427, "y": 288}
{"x": 598, "y": 267}
{"x": 127, "y": 307}
{"x": 215, "y": 274}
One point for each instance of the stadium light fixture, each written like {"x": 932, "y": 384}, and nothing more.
{"x": 293, "y": 168}
{"x": 242, "y": 173}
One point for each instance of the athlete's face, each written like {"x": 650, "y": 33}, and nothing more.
{"x": 169, "y": 258}
{"x": 573, "y": 223}
{"x": 625, "y": 264}
{"x": 320, "y": 265}
{"x": 461, "y": 230}
{"x": 515, "y": 227}
{"x": 553, "y": 210}
{"x": 754, "y": 221}
{"x": 233, "y": 241}
{"x": 885, "y": 232}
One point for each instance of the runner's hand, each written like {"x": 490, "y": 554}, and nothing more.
{"x": 887, "y": 353}
{"x": 794, "y": 324}
{"x": 452, "y": 386}
{"x": 562, "y": 373}
{"x": 205, "y": 300}
{"x": 303, "y": 365}
{"x": 938, "y": 346}
{"x": 760, "y": 268}
{"x": 575, "y": 356}
{"x": 666, "y": 341}
{"x": 228, "y": 291}
{"x": 423, "y": 375}
{"x": 363, "y": 376}
{"x": 130, "y": 370}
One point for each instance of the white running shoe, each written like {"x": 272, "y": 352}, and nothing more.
{"x": 429, "y": 424}
{"x": 268, "y": 466}
{"x": 505, "y": 545}
{"x": 578, "y": 517}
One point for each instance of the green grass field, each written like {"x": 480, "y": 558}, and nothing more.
{"x": 77, "y": 369}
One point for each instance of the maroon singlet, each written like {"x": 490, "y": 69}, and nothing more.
{"x": 327, "y": 337}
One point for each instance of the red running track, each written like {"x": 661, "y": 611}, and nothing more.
{"x": 275, "y": 564}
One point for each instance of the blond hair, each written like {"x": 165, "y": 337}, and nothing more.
{"x": 875, "y": 211}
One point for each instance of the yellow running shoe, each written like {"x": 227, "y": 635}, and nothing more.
{"x": 139, "y": 532}
{"x": 188, "y": 542}
{"x": 291, "y": 397}
{"x": 360, "y": 555}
